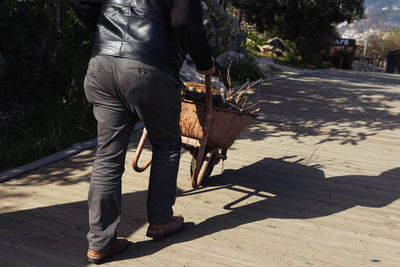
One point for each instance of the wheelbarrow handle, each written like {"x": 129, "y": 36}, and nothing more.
{"x": 138, "y": 152}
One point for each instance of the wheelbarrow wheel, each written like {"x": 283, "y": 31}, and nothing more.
{"x": 210, "y": 166}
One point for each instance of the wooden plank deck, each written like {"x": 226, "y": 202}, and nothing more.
{"x": 315, "y": 180}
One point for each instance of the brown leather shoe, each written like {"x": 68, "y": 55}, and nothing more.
{"x": 159, "y": 231}
{"x": 97, "y": 257}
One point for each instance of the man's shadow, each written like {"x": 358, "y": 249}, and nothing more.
{"x": 288, "y": 191}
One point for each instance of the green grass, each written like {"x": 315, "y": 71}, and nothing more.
{"x": 52, "y": 125}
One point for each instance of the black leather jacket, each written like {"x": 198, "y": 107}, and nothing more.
{"x": 156, "y": 32}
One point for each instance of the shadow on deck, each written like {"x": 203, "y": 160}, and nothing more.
{"x": 333, "y": 105}
{"x": 288, "y": 191}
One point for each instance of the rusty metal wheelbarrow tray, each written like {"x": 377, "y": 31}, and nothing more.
{"x": 207, "y": 128}
{"x": 225, "y": 127}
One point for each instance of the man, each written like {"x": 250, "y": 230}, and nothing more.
{"x": 138, "y": 50}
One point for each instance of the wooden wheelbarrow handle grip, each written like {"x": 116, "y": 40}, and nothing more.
{"x": 138, "y": 152}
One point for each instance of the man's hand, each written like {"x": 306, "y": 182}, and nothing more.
{"x": 207, "y": 72}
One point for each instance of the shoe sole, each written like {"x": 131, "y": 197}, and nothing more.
{"x": 100, "y": 261}
{"x": 162, "y": 236}
{"x": 96, "y": 261}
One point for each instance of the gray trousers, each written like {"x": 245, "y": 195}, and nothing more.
{"x": 123, "y": 91}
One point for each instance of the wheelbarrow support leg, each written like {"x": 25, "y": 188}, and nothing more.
{"x": 206, "y": 129}
{"x": 207, "y": 161}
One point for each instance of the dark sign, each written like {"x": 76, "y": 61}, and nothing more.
{"x": 345, "y": 42}
{"x": 393, "y": 62}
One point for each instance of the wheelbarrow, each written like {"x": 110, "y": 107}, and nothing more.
{"x": 207, "y": 132}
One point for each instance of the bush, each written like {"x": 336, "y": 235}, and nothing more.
{"x": 42, "y": 105}
{"x": 50, "y": 126}
{"x": 42, "y": 55}
{"x": 239, "y": 72}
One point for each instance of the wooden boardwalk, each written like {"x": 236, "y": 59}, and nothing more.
{"x": 315, "y": 180}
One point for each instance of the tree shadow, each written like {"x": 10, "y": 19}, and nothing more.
{"x": 288, "y": 190}
{"x": 342, "y": 106}
{"x": 334, "y": 106}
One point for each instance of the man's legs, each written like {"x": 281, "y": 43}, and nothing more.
{"x": 120, "y": 90}
{"x": 157, "y": 99}
{"x": 115, "y": 123}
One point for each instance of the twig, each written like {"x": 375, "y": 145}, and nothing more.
{"x": 222, "y": 93}
{"x": 250, "y": 107}
{"x": 243, "y": 102}
{"x": 234, "y": 107}
{"x": 240, "y": 88}
{"x": 228, "y": 75}
{"x": 254, "y": 111}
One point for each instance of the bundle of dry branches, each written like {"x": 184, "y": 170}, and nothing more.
{"x": 239, "y": 101}
{"x": 235, "y": 100}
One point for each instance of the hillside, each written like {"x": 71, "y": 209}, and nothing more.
{"x": 381, "y": 15}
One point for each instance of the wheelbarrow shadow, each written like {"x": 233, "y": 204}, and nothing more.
{"x": 304, "y": 192}
{"x": 288, "y": 191}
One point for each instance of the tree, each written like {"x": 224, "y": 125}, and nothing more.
{"x": 311, "y": 24}
{"x": 381, "y": 43}
{"x": 376, "y": 48}
{"x": 392, "y": 41}
{"x": 43, "y": 47}
{"x": 44, "y": 52}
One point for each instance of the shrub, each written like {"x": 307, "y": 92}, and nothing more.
{"x": 42, "y": 105}
{"x": 239, "y": 72}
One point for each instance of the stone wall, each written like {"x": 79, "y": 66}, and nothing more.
{"x": 221, "y": 27}
{"x": 363, "y": 66}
